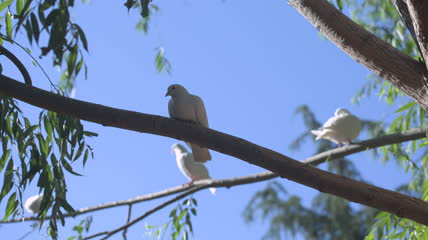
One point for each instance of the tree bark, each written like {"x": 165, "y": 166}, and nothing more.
{"x": 286, "y": 167}
{"x": 418, "y": 10}
{"x": 380, "y": 57}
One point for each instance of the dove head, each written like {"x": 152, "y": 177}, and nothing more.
{"x": 175, "y": 90}
{"x": 178, "y": 148}
{"x": 341, "y": 111}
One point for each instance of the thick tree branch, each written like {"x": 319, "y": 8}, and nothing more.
{"x": 18, "y": 64}
{"x": 418, "y": 10}
{"x": 409, "y": 135}
{"x": 382, "y": 199}
{"x": 407, "y": 20}
{"x": 380, "y": 57}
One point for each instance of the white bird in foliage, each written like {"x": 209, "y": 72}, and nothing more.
{"x": 32, "y": 205}
{"x": 342, "y": 128}
{"x": 185, "y": 106}
{"x": 186, "y": 163}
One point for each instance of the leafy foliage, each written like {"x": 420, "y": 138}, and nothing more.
{"x": 48, "y": 25}
{"x": 329, "y": 217}
{"x": 82, "y": 227}
{"x": 43, "y": 151}
{"x": 179, "y": 223}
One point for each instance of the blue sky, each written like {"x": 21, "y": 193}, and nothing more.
{"x": 251, "y": 63}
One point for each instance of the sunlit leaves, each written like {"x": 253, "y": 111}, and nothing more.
{"x": 44, "y": 151}
{"x": 64, "y": 39}
{"x": 388, "y": 226}
{"x": 5, "y": 4}
{"x": 8, "y": 21}
{"x": 81, "y": 228}
{"x": 180, "y": 224}
{"x": 162, "y": 63}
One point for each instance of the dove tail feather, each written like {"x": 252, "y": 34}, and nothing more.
{"x": 317, "y": 133}
{"x": 200, "y": 154}
{"x": 213, "y": 191}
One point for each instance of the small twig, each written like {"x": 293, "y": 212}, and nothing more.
{"x": 25, "y": 235}
{"x": 128, "y": 218}
{"x": 146, "y": 214}
{"x": 17, "y": 63}
{"x": 35, "y": 60}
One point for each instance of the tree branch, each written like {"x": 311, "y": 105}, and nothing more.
{"x": 354, "y": 191}
{"x": 17, "y": 63}
{"x": 409, "y": 135}
{"x": 380, "y": 57}
{"x": 419, "y": 13}
{"x": 403, "y": 10}
{"x": 128, "y": 218}
{"x": 146, "y": 214}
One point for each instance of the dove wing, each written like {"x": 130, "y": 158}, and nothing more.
{"x": 200, "y": 112}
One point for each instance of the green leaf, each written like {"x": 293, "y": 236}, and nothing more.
{"x": 4, "y": 158}
{"x": 82, "y": 36}
{"x": 48, "y": 126}
{"x": 85, "y": 157}
{"x": 8, "y": 21}
{"x": 79, "y": 151}
{"x": 90, "y": 134}
{"x": 182, "y": 214}
{"x": 194, "y": 202}
{"x": 5, "y": 4}
{"x": 8, "y": 180}
{"x": 68, "y": 167}
{"x": 172, "y": 213}
{"x": 12, "y": 203}
{"x": 67, "y": 206}
{"x": 19, "y": 5}
{"x": 129, "y": 4}
{"x": 404, "y": 107}
{"x": 144, "y": 8}
{"x": 35, "y": 27}
{"x": 193, "y": 211}
{"x": 339, "y": 4}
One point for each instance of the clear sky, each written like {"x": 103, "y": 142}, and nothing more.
{"x": 251, "y": 63}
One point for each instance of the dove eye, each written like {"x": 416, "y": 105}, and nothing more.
{"x": 173, "y": 88}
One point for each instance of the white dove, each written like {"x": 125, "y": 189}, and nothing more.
{"x": 185, "y": 106}
{"x": 343, "y": 127}
{"x": 32, "y": 205}
{"x": 187, "y": 165}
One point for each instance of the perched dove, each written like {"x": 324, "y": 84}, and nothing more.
{"x": 185, "y": 106}
{"x": 32, "y": 205}
{"x": 187, "y": 165}
{"x": 343, "y": 127}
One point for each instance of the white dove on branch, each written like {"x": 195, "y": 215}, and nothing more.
{"x": 185, "y": 106}
{"x": 342, "y": 128}
{"x": 186, "y": 163}
{"x": 32, "y": 205}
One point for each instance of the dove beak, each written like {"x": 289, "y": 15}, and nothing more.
{"x": 167, "y": 94}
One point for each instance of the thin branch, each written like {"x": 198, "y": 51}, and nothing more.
{"x": 409, "y": 135}
{"x": 146, "y": 214}
{"x": 419, "y": 13}
{"x": 128, "y": 218}
{"x": 17, "y": 63}
{"x": 377, "y": 55}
